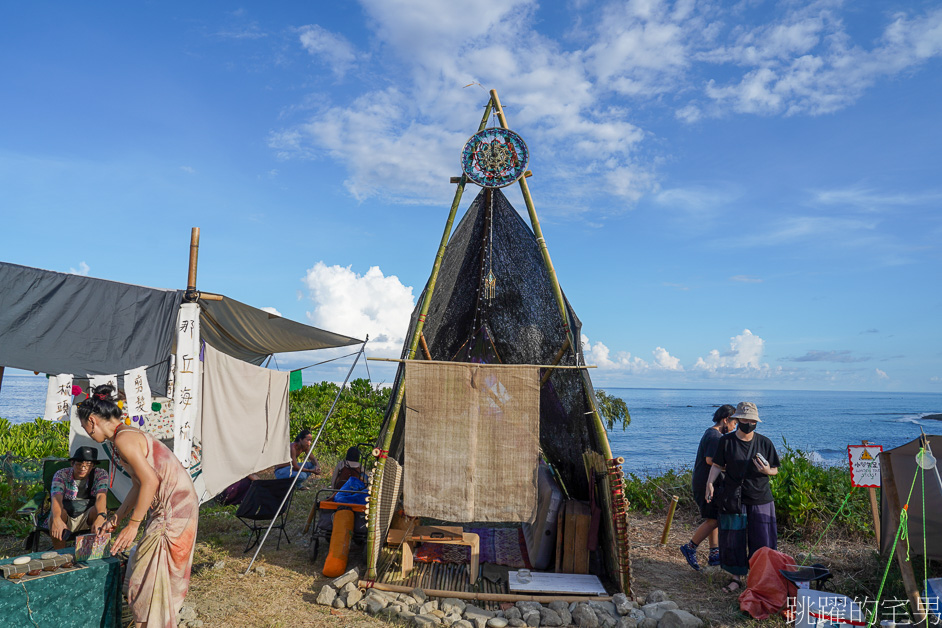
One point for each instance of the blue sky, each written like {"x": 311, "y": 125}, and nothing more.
{"x": 741, "y": 194}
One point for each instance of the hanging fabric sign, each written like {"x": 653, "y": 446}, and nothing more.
{"x": 173, "y": 366}
{"x": 294, "y": 381}
{"x": 58, "y": 397}
{"x": 137, "y": 391}
{"x": 100, "y": 380}
{"x": 186, "y": 381}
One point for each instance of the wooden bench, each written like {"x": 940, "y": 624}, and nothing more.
{"x": 446, "y": 535}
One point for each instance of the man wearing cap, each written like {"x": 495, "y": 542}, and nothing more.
{"x": 79, "y": 496}
{"x": 748, "y": 459}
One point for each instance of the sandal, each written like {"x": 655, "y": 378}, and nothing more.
{"x": 734, "y": 586}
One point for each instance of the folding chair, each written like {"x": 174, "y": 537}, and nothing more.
{"x": 260, "y": 506}
{"x": 322, "y": 514}
{"x": 39, "y": 505}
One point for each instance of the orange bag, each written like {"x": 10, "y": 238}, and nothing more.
{"x": 767, "y": 590}
{"x": 336, "y": 562}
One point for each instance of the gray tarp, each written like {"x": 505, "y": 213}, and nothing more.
{"x": 904, "y": 468}
{"x": 60, "y": 323}
{"x": 250, "y": 334}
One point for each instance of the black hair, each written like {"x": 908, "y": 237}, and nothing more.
{"x": 101, "y": 402}
{"x": 353, "y": 454}
{"x": 723, "y": 412}
{"x": 301, "y": 435}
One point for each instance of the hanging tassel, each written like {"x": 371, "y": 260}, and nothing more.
{"x": 490, "y": 286}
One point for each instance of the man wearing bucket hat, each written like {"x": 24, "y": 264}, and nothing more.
{"x": 747, "y": 510}
{"x": 79, "y": 497}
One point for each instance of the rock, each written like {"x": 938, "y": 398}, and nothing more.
{"x": 450, "y": 604}
{"x": 531, "y": 618}
{"x": 260, "y": 571}
{"x": 338, "y": 602}
{"x": 606, "y": 607}
{"x": 656, "y": 610}
{"x": 373, "y": 604}
{"x": 655, "y": 596}
{"x": 496, "y": 622}
{"x": 472, "y": 610}
{"x": 425, "y": 620}
{"x": 327, "y": 595}
{"x": 451, "y": 618}
{"x": 677, "y": 618}
{"x": 428, "y": 607}
{"x": 606, "y": 620}
{"x": 461, "y": 623}
{"x": 347, "y": 588}
{"x": 187, "y": 613}
{"x": 584, "y": 617}
{"x": 512, "y": 613}
{"x": 219, "y": 564}
{"x": 389, "y": 613}
{"x": 549, "y": 617}
{"x": 408, "y": 600}
{"x": 351, "y": 576}
{"x": 527, "y": 605}
{"x": 419, "y": 596}
{"x": 437, "y": 613}
{"x": 647, "y": 622}
{"x": 637, "y": 613}
{"x": 622, "y": 604}
{"x": 516, "y": 623}
{"x": 627, "y": 622}
{"x": 354, "y": 596}
{"x": 562, "y": 609}
{"x": 406, "y": 616}
{"x": 478, "y": 621}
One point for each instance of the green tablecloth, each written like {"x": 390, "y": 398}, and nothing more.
{"x": 81, "y": 598}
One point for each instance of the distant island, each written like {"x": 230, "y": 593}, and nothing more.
{"x": 934, "y": 417}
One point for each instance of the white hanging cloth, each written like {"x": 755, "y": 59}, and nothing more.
{"x": 58, "y": 397}
{"x": 186, "y": 380}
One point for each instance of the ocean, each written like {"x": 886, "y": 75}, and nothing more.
{"x": 667, "y": 423}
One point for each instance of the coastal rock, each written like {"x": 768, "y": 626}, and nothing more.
{"x": 531, "y": 618}
{"x": 549, "y": 617}
{"x": 627, "y": 622}
{"x": 679, "y": 619}
{"x": 622, "y": 604}
{"x": 584, "y": 617}
{"x": 655, "y": 596}
{"x": 512, "y": 613}
{"x": 637, "y": 613}
{"x": 647, "y": 622}
{"x": 516, "y": 623}
{"x": 450, "y": 604}
{"x": 562, "y": 609}
{"x": 656, "y": 610}
{"x": 327, "y": 595}
{"x": 496, "y": 622}
{"x": 351, "y": 576}
{"x": 528, "y": 605}
{"x": 608, "y": 608}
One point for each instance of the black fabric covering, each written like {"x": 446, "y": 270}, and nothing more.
{"x": 524, "y": 324}
{"x": 61, "y": 323}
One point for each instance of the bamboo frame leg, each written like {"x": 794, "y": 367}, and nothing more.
{"x": 670, "y": 518}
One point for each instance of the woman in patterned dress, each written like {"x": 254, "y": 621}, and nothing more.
{"x": 158, "y": 573}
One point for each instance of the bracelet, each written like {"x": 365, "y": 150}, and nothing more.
{"x": 135, "y": 520}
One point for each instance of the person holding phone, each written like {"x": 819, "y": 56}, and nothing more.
{"x": 748, "y": 459}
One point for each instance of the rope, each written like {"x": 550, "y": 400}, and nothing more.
{"x": 828, "y": 526}
{"x": 901, "y": 532}
{"x": 325, "y": 361}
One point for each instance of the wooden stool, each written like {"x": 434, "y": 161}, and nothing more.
{"x": 446, "y": 535}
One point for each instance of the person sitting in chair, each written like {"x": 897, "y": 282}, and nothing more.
{"x": 299, "y": 448}
{"x": 79, "y": 496}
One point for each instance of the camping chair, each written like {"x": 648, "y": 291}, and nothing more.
{"x": 817, "y": 576}
{"x": 40, "y": 503}
{"x": 322, "y": 513}
{"x": 260, "y": 506}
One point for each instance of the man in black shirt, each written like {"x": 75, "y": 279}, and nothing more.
{"x": 722, "y": 424}
{"x": 748, "y": 459}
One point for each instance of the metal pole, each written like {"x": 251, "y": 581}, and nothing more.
{"x": 308, "y": 455}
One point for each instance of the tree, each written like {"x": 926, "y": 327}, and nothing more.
{"x": 614, "y": 410}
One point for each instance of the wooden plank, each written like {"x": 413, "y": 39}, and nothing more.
{"x": 569, "y": 543}
{"x": 540, "y": 582}
{"x": 580, "y": 560}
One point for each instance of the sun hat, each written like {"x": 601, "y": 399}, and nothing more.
{"x": 85, "y": 454}
{"x": 746, "y": 411}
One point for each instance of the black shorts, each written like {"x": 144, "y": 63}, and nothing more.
{"x": 707, "y": 509}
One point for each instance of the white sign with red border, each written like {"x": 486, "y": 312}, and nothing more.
{"x": 865, "y": 465}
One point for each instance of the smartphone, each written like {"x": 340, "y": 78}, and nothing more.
{"x": 762, "y": 459}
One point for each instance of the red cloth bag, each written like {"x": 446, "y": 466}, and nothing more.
{"x": 767, "y": 591}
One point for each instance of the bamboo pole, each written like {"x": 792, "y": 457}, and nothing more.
{"x": 539, "y": 366}
{"x": 428, "y": 354}
{"x": 601, "y": 434}
{"x": 670, "y": 518}
{"x": 485, "y": 597}
{"x": 372, "y": 523}
{"x": 191, "y": 270}
{"x": 905, "y": 567}
{"x": 559, "y": 356}
{"x": 1, "y": 377}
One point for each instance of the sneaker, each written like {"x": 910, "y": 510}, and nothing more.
{"x": 714, "y": 560}
{"x": 690, "y": 553}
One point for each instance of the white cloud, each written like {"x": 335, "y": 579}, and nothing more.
{"x": 745, "y": 279}
{"x": 332, "y": 48}
{"x": 663, "y": 359}
{"x": 82, "y": 270}
{"x": 745, "y": 353}
{"x": 188, "y": 169}
{"x": 881, "y": 374}
{"x": 600, "y": 355}
{"x": 356, "y": 305}
{"x": 271, "y": 310}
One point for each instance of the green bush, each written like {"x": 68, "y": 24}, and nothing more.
{"x": 37, "y": 439}
{"x": 356, "y": 419}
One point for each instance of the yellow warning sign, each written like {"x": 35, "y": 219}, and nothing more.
{"x": 865, "y": 455}
{"x": 864, "y": 465}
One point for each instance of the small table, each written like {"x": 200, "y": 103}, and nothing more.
{"x": 69, "y": 599}
{"x": 446, "y": 535}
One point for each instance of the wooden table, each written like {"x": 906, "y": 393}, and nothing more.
{"x": 446, "y": 535}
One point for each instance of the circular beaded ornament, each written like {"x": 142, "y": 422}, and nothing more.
{"x": 495, "y": 158}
